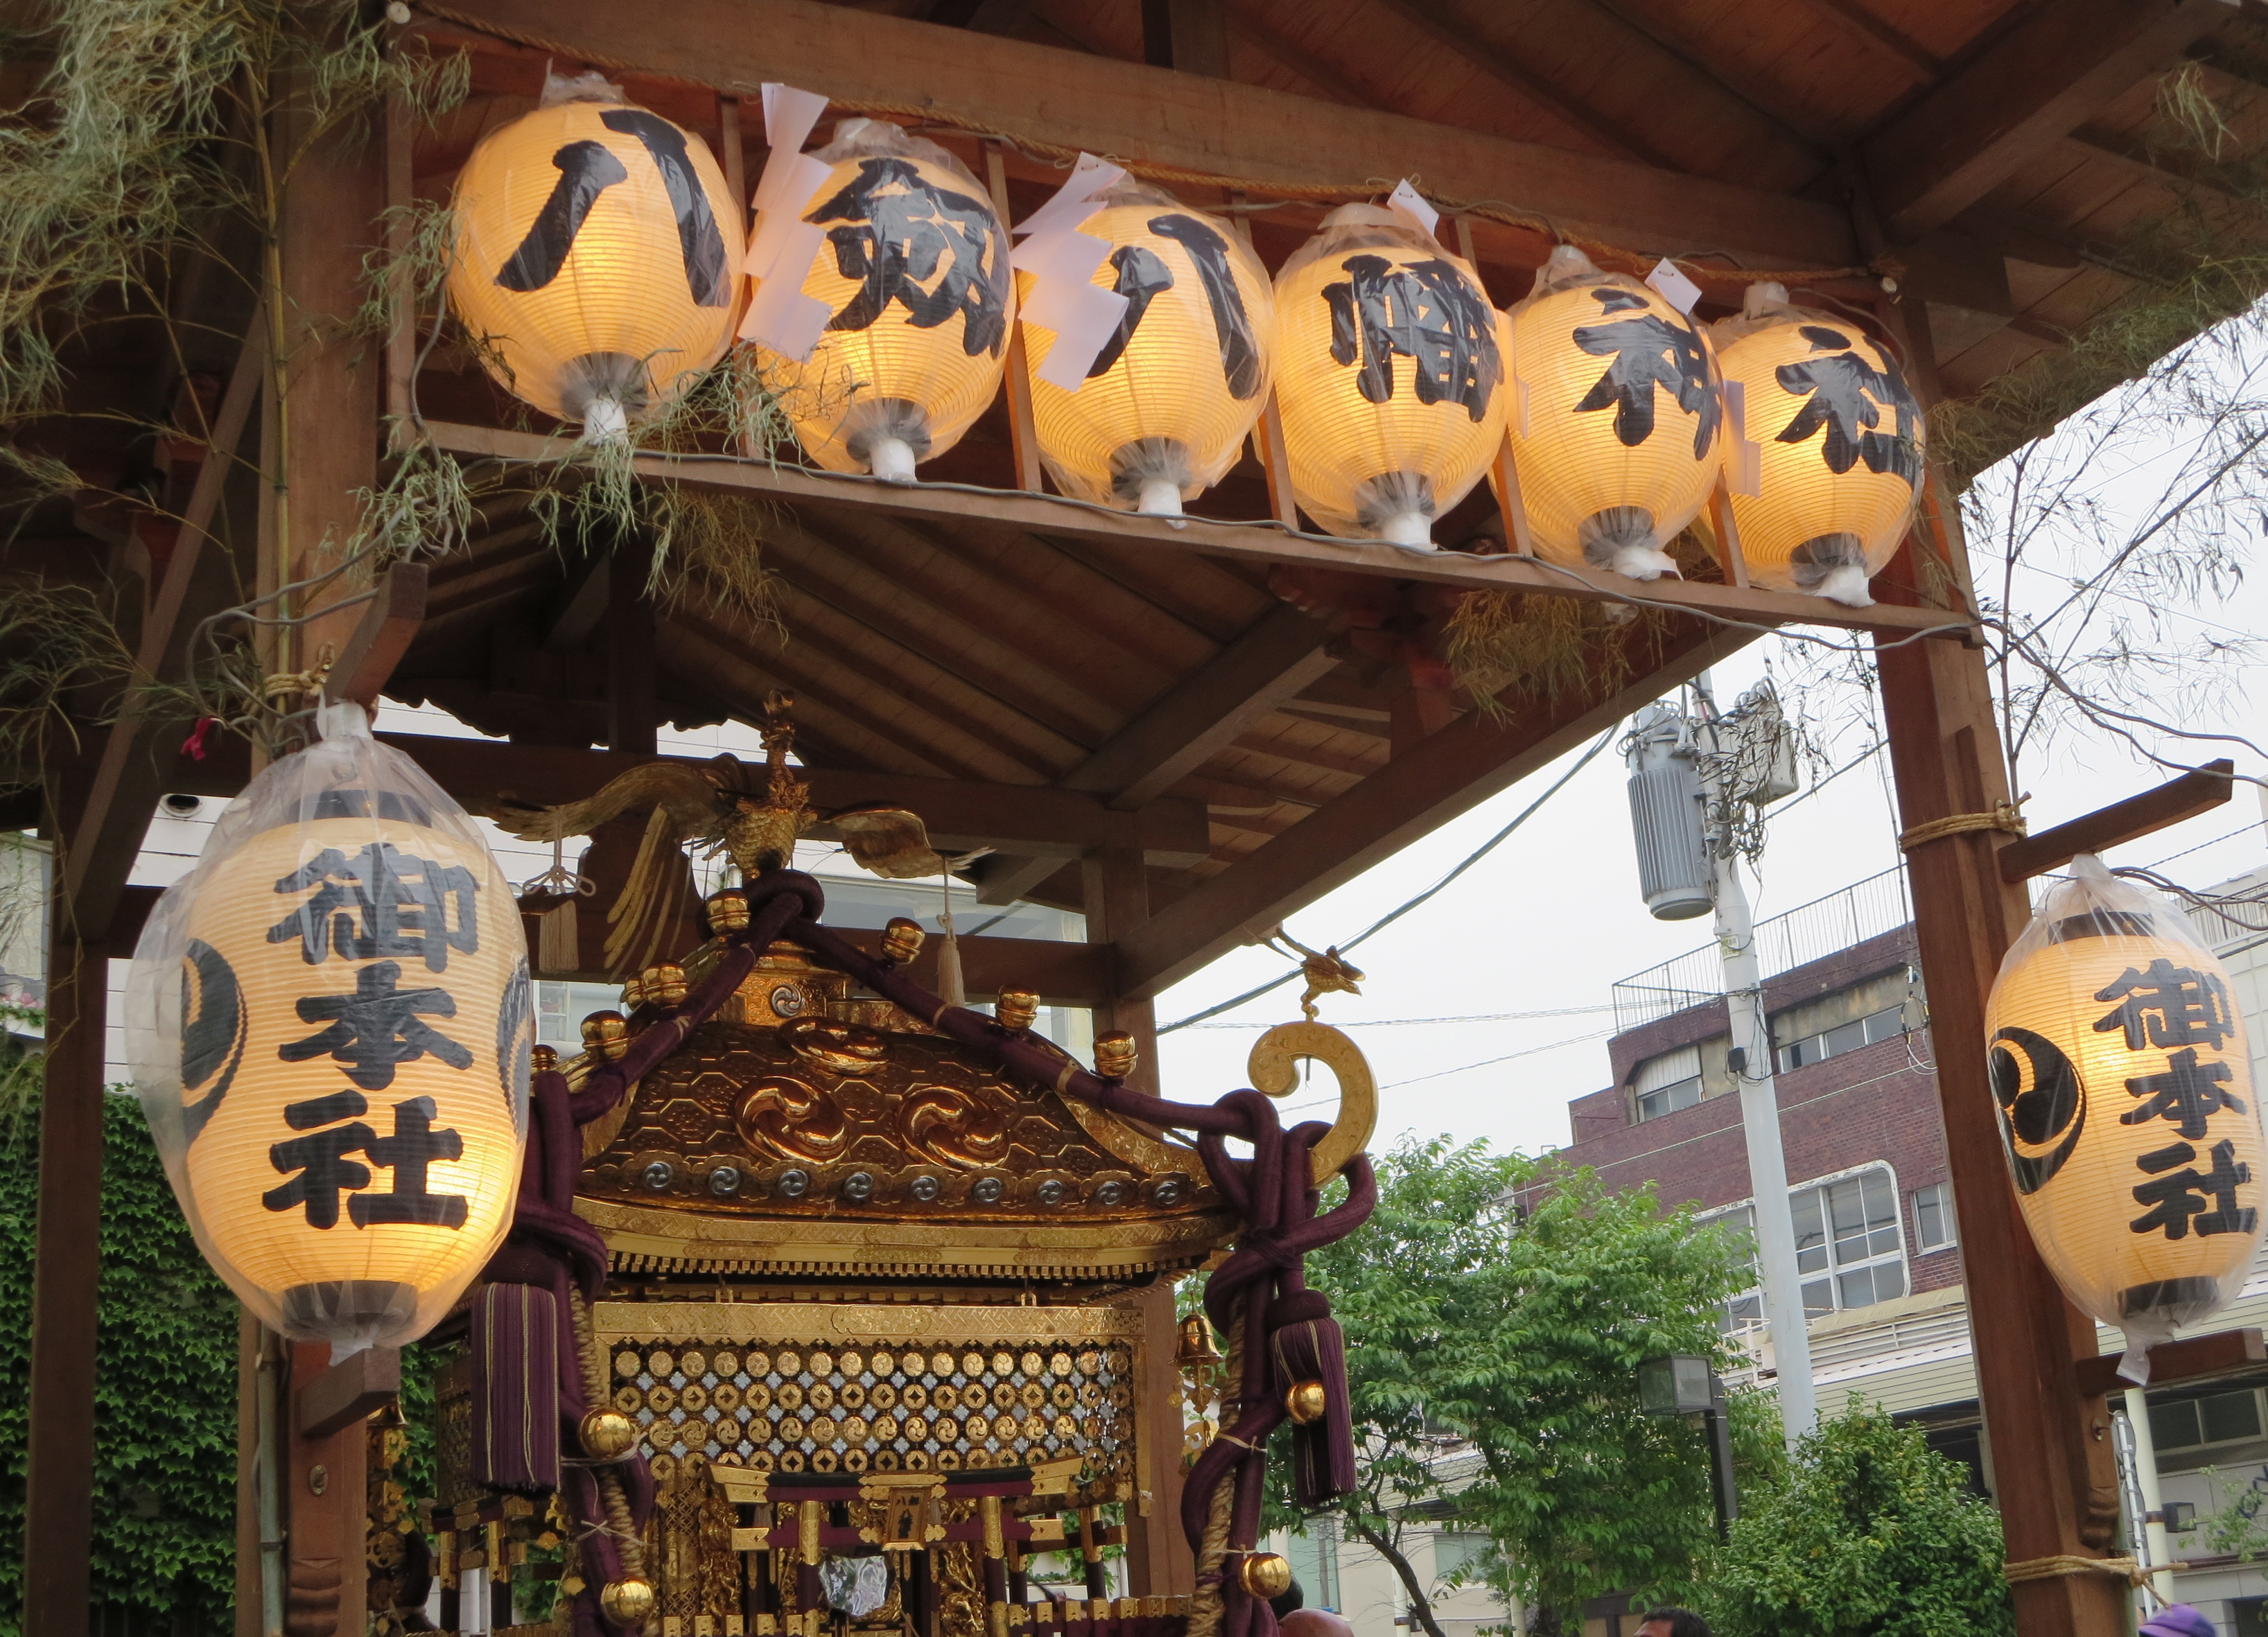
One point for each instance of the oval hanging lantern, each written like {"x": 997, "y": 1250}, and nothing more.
{"x": 1834, "y": 446}
{"x": 913, "y": 270}
{"x": 1615, "y": 433}
{"x": 1389, "y": 375}
{"x": 596, "y": 259}
{"x": 330, "y": 1027}
{"x": 1164, "y": 409}
{"x": 2127, "y": 1113}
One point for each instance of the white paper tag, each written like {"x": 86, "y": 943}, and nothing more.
{"x": 1673, "y": 286}
{"x": 780, "y": 222}
{"x": 1083, "y": 318}
{"x": 1746, "y": 476}
{"x": 1406, "y": 200}
{"x": 1065, "y": 255}
{"x": 1074, "y": 202}
{"x": 779, "y": 314}
{"x": 789, "y": 115}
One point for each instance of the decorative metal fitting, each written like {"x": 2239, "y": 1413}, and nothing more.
{"x": 633, "y": 993}
{"x": 1109, "y": 1193}
{"x": 1016, "y": 1007}
{"x": 901, "y": 940}
{"x": 658, "y": 1175}
{"x": 606, "y": 1434}
{"x": 1265, "y": 1576}
{"x": 728, "y": 912}
{"x": 1116, "y": 1054}
{"x": 1050, "y": 1192}
{"x": 607, "y": 1036}
{"x": 793, "y": 1185}
{"x": 627, "y": 1602}
{"x": 664, "y": 985}
{"x": 860, "y": 1185}
{"x": 724, "y": 1180}
{"x": 986, "y": 1191}
{"x": 924, "y": 1188}
{"x": 1307, "y": 1402}
{"x": 544, "y": 1059}
{"x": 1166, "y": 1193}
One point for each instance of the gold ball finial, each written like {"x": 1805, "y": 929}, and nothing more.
{"x": 629, "y": 1602}
{"x": 728, "y": 912}
{"x": 1307, "y": 1402}
{"x": 1116, "y": 1054}
{"x": 664, "y": 984}
{"x": 901, "y": 940}
{"x": 633, "y": 993}
{"x": 607, "y": 1036}
{"x": 544, "y": 1059}
{"x": 607, "y": 1435}
{"x": 1265, "y": 1576}
{"x": 1016, "y": 1007}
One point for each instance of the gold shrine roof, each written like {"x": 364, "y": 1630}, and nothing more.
{"x": 802, "y": 1131}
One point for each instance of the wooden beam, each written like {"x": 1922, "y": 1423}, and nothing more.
{"x": 2034, "y": 85}
{"x": 1442, "y": 776}
{"x": 1157, "y": 117}
{"x": 1861, "y": 20}
{"x": 352, "y": 1390}
{"x": 389, "y": 625}
{"x": 2198, "y": 791}
{"x": 581, "y": 605}
{"x": 1324, "y": 76}
{"x": 1189, "y": 35}
{"x": 2192, "y": 1358}
{"x": 1045, "y": 514}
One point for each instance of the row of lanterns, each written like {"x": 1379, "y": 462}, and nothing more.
{"x": 598, "y": 258}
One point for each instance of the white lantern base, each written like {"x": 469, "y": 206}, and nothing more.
{"x": 605, "y": 421}
{"x": 1643, "y": 563}
{"x": 1161, "y": 497}
{"x": 1845, "y": 583}
{"x": 1413, "y": 529}
{"x": 891, "y": 460}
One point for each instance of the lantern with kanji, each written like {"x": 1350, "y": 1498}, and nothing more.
{"x": 913, "y": 270}
{"x": 1825, "y": 479}
{"x": 1163, "y": 410}
{"x": 596, "y": 259}
{"x": 2127, "y": 1114}
{"x": 1615, "y": 430}
{"x": 330, "y": 1028}
{"x": 1389, "y": 375}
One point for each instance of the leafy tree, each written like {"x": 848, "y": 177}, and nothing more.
{"x": 1492, "y": 1356}
{"x": 1873, "y": 1534}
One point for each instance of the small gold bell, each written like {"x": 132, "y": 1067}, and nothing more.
{"x": 544, "y": 1059}
{"x": 607, "y": 1036}
{"x": 607, "y": 1435}
{"x": 1116, "y": 1054}
{"x": 1306, "y": 1402}
{"x": 1197, "y": 1345}
{"x": 664, "y": 985}
{"x": 629, "y": 1602}
{"x": 901, "y": 940}
{"x": 728, "y": 912}
{"x": 1016, "y": 1007}
{"x": 1263, "y": 1575}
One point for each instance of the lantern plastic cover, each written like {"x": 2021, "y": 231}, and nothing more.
{"x": 1615, "y": 433}
{"x": 1175, "y": 389}
{"x": 597, "y": 259}
{"x": 330, "y": 1023}
{"x": 1389, "y": 374}
{"x": 1838, "y": 443}
{"x": 914, "y": 271}
{"x": 2127, "y": 1115}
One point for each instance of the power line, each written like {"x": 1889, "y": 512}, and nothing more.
{"x": 1389, "y": 1022}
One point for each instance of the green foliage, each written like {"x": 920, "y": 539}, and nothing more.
{"x": 165, "y": 1478}
{"x": 1874, "y": 1535}
{"x": 1515, "y": 1342}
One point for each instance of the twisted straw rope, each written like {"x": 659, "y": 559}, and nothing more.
{"x": 2070, "y": 1563}
{"x": 2003, "y": 816}
{"x": 1207, "y": 1606}
{"x": 610, "y": 1482}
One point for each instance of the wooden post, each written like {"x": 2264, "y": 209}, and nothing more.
{"x": 59, "y": 1482}
{"x": 1023, "y": 438}
{"x": 629, "y": 626}
{"x": 323, "y": 1483}
{"x": 2050, "y": 1444}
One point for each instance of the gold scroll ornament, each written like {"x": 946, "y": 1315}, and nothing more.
{"x": 1274, "y": 1069}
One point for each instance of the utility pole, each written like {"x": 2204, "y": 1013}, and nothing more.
{"x": 1710, "y": 768}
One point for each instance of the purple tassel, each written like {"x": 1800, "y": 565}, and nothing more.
{"x": 516, "y": 1398}
{"x": 1306, "y": 1345}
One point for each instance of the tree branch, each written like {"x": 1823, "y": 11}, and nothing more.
{"x": 1421, "y": 1606}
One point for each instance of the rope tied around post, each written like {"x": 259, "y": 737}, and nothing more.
{"x": 2002, "y": 816}
{"x": 2065, "y": 1563}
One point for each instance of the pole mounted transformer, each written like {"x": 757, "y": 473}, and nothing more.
{"x": 1667, "y": 816}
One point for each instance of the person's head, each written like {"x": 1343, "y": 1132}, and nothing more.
{"x": 1673, "y": 1623}
{"x": 2177, "y": 1620}
{"x": 1315, "y": 1622}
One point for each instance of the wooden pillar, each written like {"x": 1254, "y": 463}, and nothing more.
{"x": 1117, "y": 897}
{"x": 323, "y": 1481}
{"x": 59, "y": 1482}
{"x": 629, "y": 626}
{"x": 2051, "y": 1446}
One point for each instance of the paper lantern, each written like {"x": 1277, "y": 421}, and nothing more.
{"x": 596, "y": 259}
{"x": 2127, "y": 1112}
{"x": 1389, "y": 375}
{"x": 1833, "y": 447}
{"x": 914, "y": 270}
{"x": 1615, "y": 430}
{"x": 1164, "y": 408}
{"x": 330, "y": 1028}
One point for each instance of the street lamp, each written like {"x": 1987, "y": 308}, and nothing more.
{"x": 1682, "y": 1384}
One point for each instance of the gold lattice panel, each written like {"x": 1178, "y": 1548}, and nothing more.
{"x": 782, "y": 1386}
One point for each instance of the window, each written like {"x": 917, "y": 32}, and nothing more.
{"x": 2250, "y": 1615}
{"x": 2219, "y": 1418}
{"x": 1813, "y": 1048}
{"x": 1847, "y": 1247}
{"x": 1932, "y": 1209}
{"x": 1314, "y": 1559}
{"x": 1666, "y": 1083}
{"x": 1457, "y": 1551}
{"x": 561, "y": 1007}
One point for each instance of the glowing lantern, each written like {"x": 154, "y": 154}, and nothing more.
{"x": 914, "y": 270}
{"x": 2126, "y": 1108}
{"x": 595, "y": 258}
{"x": 1389, "y": 375}
{"x": 1165, "y": 406}
{"x": 1614, "y": 436}
{"x": 330, "y": 1026}
{"x": 1834, "y": 445}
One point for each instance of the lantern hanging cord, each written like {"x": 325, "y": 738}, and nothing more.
{"x": 2070, "y": 1563}
{"x": 2002, "y": 816}
{"x": 2225, "y": 905}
